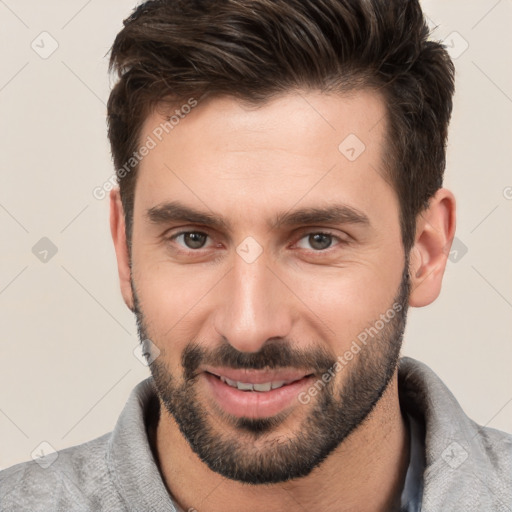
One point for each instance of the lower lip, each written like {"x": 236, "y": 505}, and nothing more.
{"x": 255, "y": 404}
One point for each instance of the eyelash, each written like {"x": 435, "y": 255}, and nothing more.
{"x": 341, "y": 241}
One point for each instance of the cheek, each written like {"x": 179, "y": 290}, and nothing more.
{"x": 167, "y": 290}
{"x": 348, "y": 300}
{"x": 173, "y": 300}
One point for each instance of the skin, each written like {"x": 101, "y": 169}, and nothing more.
{"x": 246, "y": 164}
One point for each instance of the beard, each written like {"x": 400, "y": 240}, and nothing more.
{"x": 251, "y": 450}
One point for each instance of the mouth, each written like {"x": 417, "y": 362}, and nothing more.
{"x": 255, "y": 393}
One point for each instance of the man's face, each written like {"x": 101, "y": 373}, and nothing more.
{"x": 254, "y": 303}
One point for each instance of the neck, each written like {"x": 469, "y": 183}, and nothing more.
{"x": 366, "y": 472}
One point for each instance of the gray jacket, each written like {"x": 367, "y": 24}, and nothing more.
{"x": 468, "y": 467}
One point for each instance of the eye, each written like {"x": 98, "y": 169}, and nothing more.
{"x": 320, "y": 241}
{"x": 191, "y": 239}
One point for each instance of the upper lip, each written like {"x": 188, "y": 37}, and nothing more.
{"x": 257, "y": 376}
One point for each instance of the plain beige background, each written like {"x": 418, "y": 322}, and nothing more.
{"x": 67, "y": 360}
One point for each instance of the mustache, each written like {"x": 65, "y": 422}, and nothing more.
{"x": 273, "y": 354}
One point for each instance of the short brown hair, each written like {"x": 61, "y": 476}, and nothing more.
{"x": 256, "y": 49}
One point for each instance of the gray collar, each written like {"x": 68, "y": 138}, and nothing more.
{"x": 129, "y": 456}
{"x": 468, "y": 467}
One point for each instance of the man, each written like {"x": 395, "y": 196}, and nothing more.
{"x": 280, "y": 206}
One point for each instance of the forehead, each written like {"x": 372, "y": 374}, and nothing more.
{"x": 302, "y": 146}
{"x": 286, "y": 120}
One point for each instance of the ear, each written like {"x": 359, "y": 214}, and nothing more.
{"x": 435, "y": 229}
{"x": 117, "y": 228}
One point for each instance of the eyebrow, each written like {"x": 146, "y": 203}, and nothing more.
{"x": 175, "y": 211}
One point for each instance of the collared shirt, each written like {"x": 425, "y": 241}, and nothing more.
{"x": 412, "y": 492}
{"x": 467, "y": 468}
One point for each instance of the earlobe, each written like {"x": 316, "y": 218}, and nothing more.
{"x": 435, "y": 229}
{"x": 118, "y": 231}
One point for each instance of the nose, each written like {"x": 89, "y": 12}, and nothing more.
{"x": 254, "y": 305}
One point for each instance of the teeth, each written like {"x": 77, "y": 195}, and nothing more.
{"x": 242, "y": 386}
{"x": 230, "y": 382}
{"x": 267, "y": 386}
{"x": 247, "y": 386}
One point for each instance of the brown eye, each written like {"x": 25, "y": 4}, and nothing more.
{"x": 192, "y": 239}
